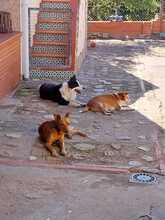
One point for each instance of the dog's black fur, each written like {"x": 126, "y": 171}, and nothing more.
{"x": 64, "y": 93}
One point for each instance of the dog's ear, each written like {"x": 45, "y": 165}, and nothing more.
{"x": 67, "y": 115}
{"x": 72, "y": 83}
{"x": 57, "y": 117}
{"x": 73, "y": 78}
{"x": 54, "y": 115}
{"x": 123, "y": 93}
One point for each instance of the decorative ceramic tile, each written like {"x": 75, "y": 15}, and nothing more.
{"x": 47, "y": 62}
{"x": 53, "y": 26}
{"x": 56, "y": 75}
{"x": 50, "y": 37}
{"x": 56, "y": 5}
{"x": 55, "y": 15}
{"x": 50, "y": 49}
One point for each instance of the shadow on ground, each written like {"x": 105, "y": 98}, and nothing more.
{"x": 124, "y": 139}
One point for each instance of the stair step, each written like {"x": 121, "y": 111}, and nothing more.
{"x": 45, "y": 55}
{"x": 50, "y": 43}
{"x": 60, "y": 75}
{"x": 50, "y": 37}
{"x": 53, "y": 26}
{"x": 58, "y": 49}
{"x": 64, "y": 5}
{"x": 53, "y": 21}
{"x": 58, "y": 68}
{"x": 49, "y": 68}
{"x": 64, "y": 1}
{"x": 47, "y": 62}
{"x": 54, "y": 15}
{"x": 40, "y": 31}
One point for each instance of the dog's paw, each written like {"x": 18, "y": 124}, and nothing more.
{"x": 54, "y": 153}
{"x": 63, "y": 153}
{"x": 69, "y": 136}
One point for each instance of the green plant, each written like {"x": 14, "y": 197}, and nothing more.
{"x": 129, "y": 9}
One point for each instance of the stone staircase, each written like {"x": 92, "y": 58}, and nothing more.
{"x": 51, "y": 51}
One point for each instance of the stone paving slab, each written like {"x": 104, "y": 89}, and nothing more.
{"x": 123, "y": 139}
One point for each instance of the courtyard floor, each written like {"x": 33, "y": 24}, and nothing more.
{"x": 126, "y": 141}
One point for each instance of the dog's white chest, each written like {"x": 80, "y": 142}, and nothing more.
{"x": 67, "y": 93}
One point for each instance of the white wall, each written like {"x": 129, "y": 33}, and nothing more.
{"x": 25, "y": 5}
{"x": 82, "y": 32}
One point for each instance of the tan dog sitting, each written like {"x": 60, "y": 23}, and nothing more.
{"x": 107, "y": 103}
{"x": 54, "y": 131}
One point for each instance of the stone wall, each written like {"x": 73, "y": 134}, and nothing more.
{"x": 12, "y": 6}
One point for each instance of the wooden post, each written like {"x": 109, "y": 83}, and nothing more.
{"x": 5, "y": 22}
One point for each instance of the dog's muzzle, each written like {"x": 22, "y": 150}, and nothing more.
{"x": 78, "y": 91}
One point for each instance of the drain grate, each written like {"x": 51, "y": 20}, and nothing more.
{"x": 143, "y": 178}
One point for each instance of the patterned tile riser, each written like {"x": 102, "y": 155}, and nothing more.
{"x": 56, "y": 26}
{"x": 50, "y": 49}
{"x": 48, "y": 12}
{"x": 56, "y": 5}
{"x": 54, "y": 15}
{"x": 47, "y": 62}
{"x": 54, "y": 75}
{"x": 50, "y": 37}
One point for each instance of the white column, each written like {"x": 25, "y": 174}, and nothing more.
{"x": 25, "y": 39}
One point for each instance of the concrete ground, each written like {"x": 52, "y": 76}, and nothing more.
{"x": 125, "y": 142}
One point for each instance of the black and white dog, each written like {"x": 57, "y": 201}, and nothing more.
{"x": 64, "y": 93}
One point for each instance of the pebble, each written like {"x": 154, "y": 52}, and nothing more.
{"x": 126, "y": 121}
{"x": 48, "y": 117}
{"x": 78, "y": 156}
{"x": 148, "y": 158}
{"x": 99, "y": 90}
{"x": 99, "y": 86}
{"x": 84, "y": 147}
{"x": 96, "y": 126}
{"x": 105, "y": 82}
{"x": 126, "y": 138}
{"x": 41, "y": 111}
{"x": 142, "y": 137}
{"x": 116, "y": 146}
{"x": 141, "y": 123}
{"x": 13, "y": 135}
{"x": 134, "y": 163}
{"x": 33, "y": 196}
{"x": 146, "y": 149}
{"x": 5, "y": 153}
{"x": 32, "y": 158}
{"x": 117, "y": 126}
{"x": 116, "y": 87}
{"x": 108, "y": 153}
{"x": 74, "y": 121}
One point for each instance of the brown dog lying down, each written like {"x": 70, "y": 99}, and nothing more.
{"x": 107, "y": 103}
{"x": 55, "y": 130}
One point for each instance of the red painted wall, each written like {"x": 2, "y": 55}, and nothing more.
{"x": 10, "y": 66}
{"x": 127, "y": 28}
